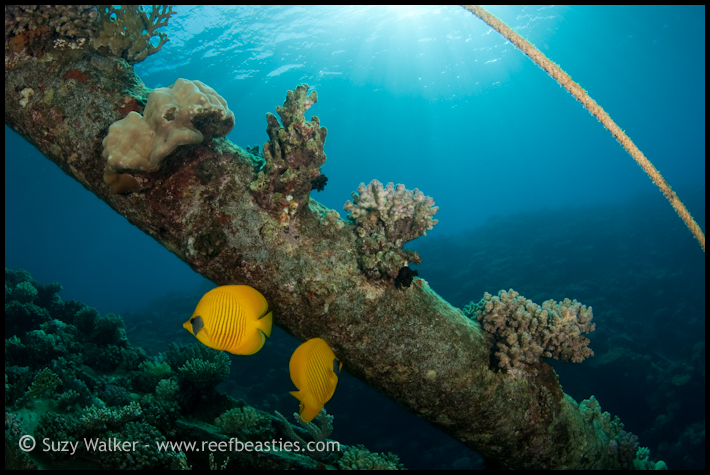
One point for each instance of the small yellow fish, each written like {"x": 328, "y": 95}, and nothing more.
{"x": 314, "y": 370}
{"x": 232, "y": 318}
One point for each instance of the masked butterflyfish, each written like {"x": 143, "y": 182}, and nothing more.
{"x": 234, "y": 318}
{"x": 314, "y": 370}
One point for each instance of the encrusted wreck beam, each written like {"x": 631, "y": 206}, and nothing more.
{"x": 408, "y": 343}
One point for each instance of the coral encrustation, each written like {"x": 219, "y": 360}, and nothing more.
{"x": 292, "y": 157}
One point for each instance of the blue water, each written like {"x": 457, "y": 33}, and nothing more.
{"x": 433, "y": 98}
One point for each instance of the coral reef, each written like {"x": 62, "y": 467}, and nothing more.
{"x": 621, "y": 444}
{"x": 180, "y": 355}
{"x": 24, "y": 292}
{"x": 34, "y": 26}
{"x": 330, "y": 221}
{"x": 188, "y": 112}
{"x": 56, "y": 390}
{"x": 44, "y": 384}
{"x": 386, "y": 336}
{"x": 94, "y": 418}
{"x": 150, "y": 373}
{"x": 125, "y": 32}
{"x": 292, "y": 157}
{"x": 632, "y": 361}
{"x": 69, "y": 21}
{"x": 318, "y": 445}
{"x": 359, "y": 458}
{"x": 386, "y": 218}
{"x": 205, "y": 373}
{"x": 525, "y": 332}
{"x": 245, "y": 422}
{"x": 319, "y": 432}
{"x": 166, "y": 390}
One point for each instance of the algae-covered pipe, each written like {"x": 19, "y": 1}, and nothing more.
{"x": 408, "y": 343}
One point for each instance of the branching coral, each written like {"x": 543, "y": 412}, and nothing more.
{"x": 188, "y": 112}
{"x": 24, "y": 292}
{"x": 101, "y": 329}
{"x": 98, "y": 418}
{"x": 67, "y": 400}
{"x": 319, "y": 433}
{"x": 205, "y": 373}
{"x": 142, "y": 456}
{"x": 386, "y": 218}
{"x": 126, "y": 31}
{"x": 178, "y": 355}
{"x": 524, "y": 332}
{"x": 198, "y": 365}
{"x": 591, "y": 410}
{"x": 358, "y": 457}
{"x": 245, "y": 422}
{"x": 44, "y": 384}
{"x": 292, "y": 157}
{"x": 622, "y": 444}
{"x": 21, "y": 317}
{"x": 166, "y": 390}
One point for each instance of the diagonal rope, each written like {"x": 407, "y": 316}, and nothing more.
{"x": 581, "y": 95}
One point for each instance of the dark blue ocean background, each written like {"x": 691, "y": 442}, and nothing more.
{"x": 534, "y": 194}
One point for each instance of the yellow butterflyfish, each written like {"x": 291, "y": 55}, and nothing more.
{"x": 314, "y": 370}
{"x": 234, "y": 318}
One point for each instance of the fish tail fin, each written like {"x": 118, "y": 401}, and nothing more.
{"x": 299, "y": 395}
{"x": 264, "y": 323}
{"x": 252, "y": 345}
